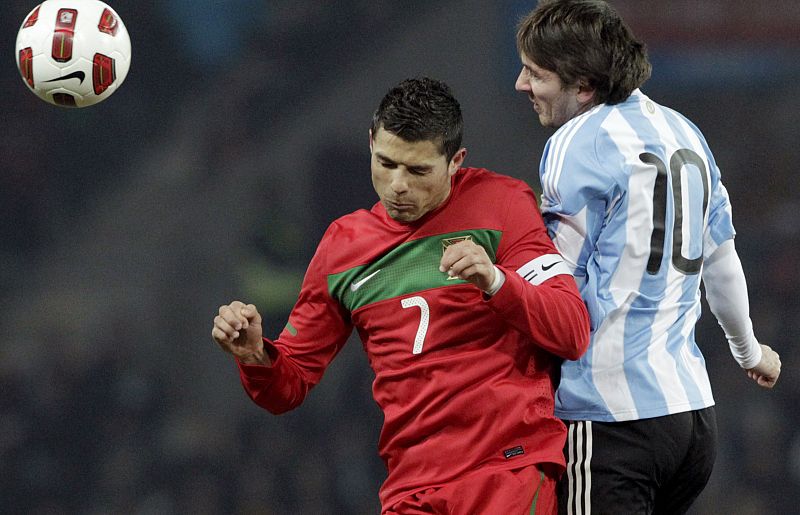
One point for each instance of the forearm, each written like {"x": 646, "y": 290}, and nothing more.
{"x": 276, "y": 385}
{"x": 551, "y": 313}
{"x": 726, "y": 292}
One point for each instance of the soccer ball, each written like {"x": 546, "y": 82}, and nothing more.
{"x": 73, "y": 53}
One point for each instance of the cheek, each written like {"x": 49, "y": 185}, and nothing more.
{"x": 539, "y": 92}
{"x": 439, "y": 191}
{"x": 377, "y": 184}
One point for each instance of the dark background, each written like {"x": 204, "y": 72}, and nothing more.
{"x": 239, "y": 133}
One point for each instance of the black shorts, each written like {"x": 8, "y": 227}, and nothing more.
{"x": 650, "y": 466}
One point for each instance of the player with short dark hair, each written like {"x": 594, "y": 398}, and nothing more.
{"x": 422, "y": 109}
{"x": 634, "y": 201}
{"x": 463, "y": 306}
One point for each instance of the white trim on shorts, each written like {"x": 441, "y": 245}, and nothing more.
{"x": 579, "y": 473}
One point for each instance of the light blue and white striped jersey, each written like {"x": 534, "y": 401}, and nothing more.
{"x": 633, "y": 200}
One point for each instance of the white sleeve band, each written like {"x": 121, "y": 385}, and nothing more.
{"x": 499, "y": 280}
{"x": 542, "y": 268}
{"x": 726, "y": 292}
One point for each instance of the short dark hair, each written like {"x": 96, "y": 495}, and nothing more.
{"x": 422, "y": 109}
{"x": 585, "y": 39}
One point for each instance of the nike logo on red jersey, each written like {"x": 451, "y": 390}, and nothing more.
{"x": 358, "y": 284}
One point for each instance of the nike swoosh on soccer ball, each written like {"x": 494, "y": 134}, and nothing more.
{"x": 74, "y": 75}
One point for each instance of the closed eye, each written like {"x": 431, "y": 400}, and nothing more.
{"x": 418, "y": 170}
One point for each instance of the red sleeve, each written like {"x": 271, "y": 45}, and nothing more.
{"x": 551, "y": 312}
{"x": 317, "y": 330}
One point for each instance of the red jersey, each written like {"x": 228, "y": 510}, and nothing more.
{"x": 464, "y": 380}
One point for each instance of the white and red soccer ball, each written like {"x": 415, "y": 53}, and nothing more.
{"x": 73, "y": 53}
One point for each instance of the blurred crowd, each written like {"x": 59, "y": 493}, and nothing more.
{"x": 125, "y": 225}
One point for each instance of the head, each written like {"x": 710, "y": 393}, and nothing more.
{"x": 577, "y": 54}
{"x": 415, "y": 141}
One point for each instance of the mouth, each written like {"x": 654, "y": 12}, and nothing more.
{"x": 399, "y": 206}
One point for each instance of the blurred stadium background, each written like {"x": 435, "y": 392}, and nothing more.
{"x": 240, "y": 132}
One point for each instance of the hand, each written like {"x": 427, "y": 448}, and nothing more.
{"x": 468, "y": 261}
{"x": 237, "y": 330}
{"x": 768, "y": 369}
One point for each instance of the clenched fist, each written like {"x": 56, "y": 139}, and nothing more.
{"x": 768, "y": 369}
{"x": 237, "y": 330}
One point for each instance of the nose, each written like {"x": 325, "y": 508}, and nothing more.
{"x": 522, "y": 83}
{"x": 399, "y": 182}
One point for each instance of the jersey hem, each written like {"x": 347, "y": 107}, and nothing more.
{"x": 622, "y": 416}
{"x": 534, "y": 460}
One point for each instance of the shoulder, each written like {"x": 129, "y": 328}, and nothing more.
{"x": 487, "y": 182}
{"x": 604, "y": 130}
{"x": 661, "y": 129}
{"x": 590, "y": 156}
{"x": 647, "y": 121}
{"x": 683, "y": 128}
{"x": 482, "y": 196}
{"x": 578, "y": 152}
{"x": 349, "y": 225}
{"x": 578, "y": 147}
{"x": 356, "y": 238}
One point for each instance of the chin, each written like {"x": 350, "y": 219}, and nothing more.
{"x": 404, "y": 217}
{"x": 550, "y": 123}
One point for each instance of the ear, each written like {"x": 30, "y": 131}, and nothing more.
{"x": 457, "y": 161}
{"x": 370, "y": 141}
{"x": 585, "y": 93}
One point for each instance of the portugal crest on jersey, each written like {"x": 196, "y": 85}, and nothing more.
{"x": 446, "y": 242}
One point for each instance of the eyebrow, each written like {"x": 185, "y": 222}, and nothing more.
{"x": 532, "y": 68}
{"x": 382, "y": 157}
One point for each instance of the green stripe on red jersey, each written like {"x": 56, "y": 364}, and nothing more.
{"x": 408, "y": 268}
